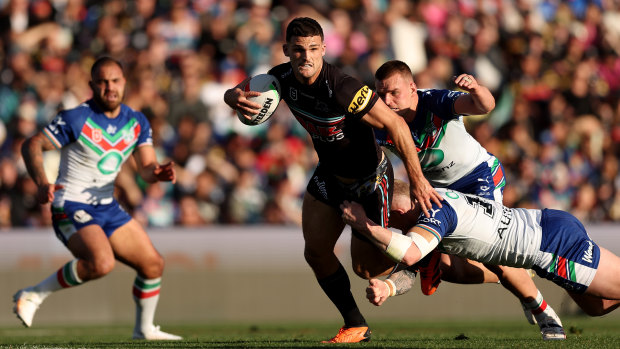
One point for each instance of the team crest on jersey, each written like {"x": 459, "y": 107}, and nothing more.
{"x": 97, "y": 136}
{"x": 128, "y": 137}
{"x": 293, "y": 93}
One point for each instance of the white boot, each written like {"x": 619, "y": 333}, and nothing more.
{"x": 26, "y": 304}
{"x": 154, "y": 333}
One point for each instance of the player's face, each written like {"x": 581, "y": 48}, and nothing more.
{"x": 397, "y": 92}
{"x": 306, "y": 56}
{"x": 108, "y": 87}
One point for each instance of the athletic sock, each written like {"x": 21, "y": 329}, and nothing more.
{"x": 536, "y": 306}
{"x": 338, "y": 288}
{"x": 65, "y": 277}
{"x": 146, "y": 295}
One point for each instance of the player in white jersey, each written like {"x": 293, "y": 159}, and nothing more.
{"x": 451, "y": 158}
{"x": 95, "y": 139}
{"x": 551, "y": 242}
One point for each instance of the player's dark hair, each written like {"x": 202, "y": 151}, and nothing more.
{"x": 100, "y": 62}
{"x": 401, "y": 188}
{"x": 303, "y": 27}
{"x": 391, "y": 67}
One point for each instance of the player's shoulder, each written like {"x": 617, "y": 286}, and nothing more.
{"x": 132, "y": 113}
{"x": 282, "y": 71}
{"x": 82, "y": 108}
{"x": 75, "y": 116}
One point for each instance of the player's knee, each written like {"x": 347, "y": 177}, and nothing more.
{"x": 313, "y": 256}
{"x": 153, "y": 268}
{"x": 99, "y": 267}
{"x": 594, "y": 311}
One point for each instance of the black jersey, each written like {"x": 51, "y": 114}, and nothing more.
{"x": 331, "y": 110}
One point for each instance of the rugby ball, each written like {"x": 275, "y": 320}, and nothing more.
{"x": 269, "y": 87}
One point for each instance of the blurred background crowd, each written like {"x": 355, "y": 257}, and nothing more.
{"x": 553, "y": 67}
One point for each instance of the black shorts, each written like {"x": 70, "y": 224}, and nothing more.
{"x": 373, "y": 192}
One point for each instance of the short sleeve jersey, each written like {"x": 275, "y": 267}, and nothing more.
{"x": 93, "y": 148}
{"x": 331, "y": 110}
{"x": 484, "y": 230}
{"x": 447, "y": 152}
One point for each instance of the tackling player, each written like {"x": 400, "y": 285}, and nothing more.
{"x": 451, "y": 158}
{"x": 553, "y": 243}
{"x": 339, "y": 113}
{"x": 95, "y": 139}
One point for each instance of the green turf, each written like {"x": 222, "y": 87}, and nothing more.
{"x": 583, "y": 333}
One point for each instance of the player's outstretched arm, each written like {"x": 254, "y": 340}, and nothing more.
{"x": 478, "y": 101}
{"x": 406, "y": 249}
{"x": 237, "y": 99}
{"x": 32, "y": 152}
{"x": 150, "y": 170}
{"x": 382, "y": 117}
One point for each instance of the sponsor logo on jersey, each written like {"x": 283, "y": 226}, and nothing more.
{"x": 58, "y": 121}
{"x": 587, "y": 254}
{"x": 81, "y": 216}
{"x": 360, "y": 100}
{"x": 321, "y": 186}
{"x": 111, "y": 129}
{"x": 504, "y": 222}
{"x": 293, "y": 93}
{"x": 325, "y": 130}
{"x": 431, "y": 220}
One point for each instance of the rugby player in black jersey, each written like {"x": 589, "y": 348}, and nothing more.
{"x": 339, "y": 112}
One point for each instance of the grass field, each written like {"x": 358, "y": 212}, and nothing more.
{"x": 583, "y": 333}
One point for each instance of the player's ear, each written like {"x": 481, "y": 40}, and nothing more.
{"x": 323, "y": 49}
{"x": 285, "y": 49}
{"x": 413, "y": 86}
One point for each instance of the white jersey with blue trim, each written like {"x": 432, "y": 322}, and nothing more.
{"x": 447, "y": 152}
{"x": 93, "y": 148}
{"x": 485, "y": 230}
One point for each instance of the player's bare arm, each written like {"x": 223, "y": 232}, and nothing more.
{"x": 237, "y": 99}
{"x": 405, "y": 249}
{"x": 382, "y": 117}
{"x": 32, "y": 152}
{"x": 478, "y": 101}
{"x": 150, "y": 170}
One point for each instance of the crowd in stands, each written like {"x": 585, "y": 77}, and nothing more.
{"x": 552, "y": 65}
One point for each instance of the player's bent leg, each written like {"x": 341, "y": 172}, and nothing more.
{"x": 95, "y": 259}
{"x": 594, "y": 306}
{"x": 322, "y": 226}
{"x": 134, "y": 248}
{"x": 536, "y": 310}
{"x": 368, "y": 261}
{"x": 92, "y": 248}
{"x": 606, "y": 281}
{"x": 460, "y": 270}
